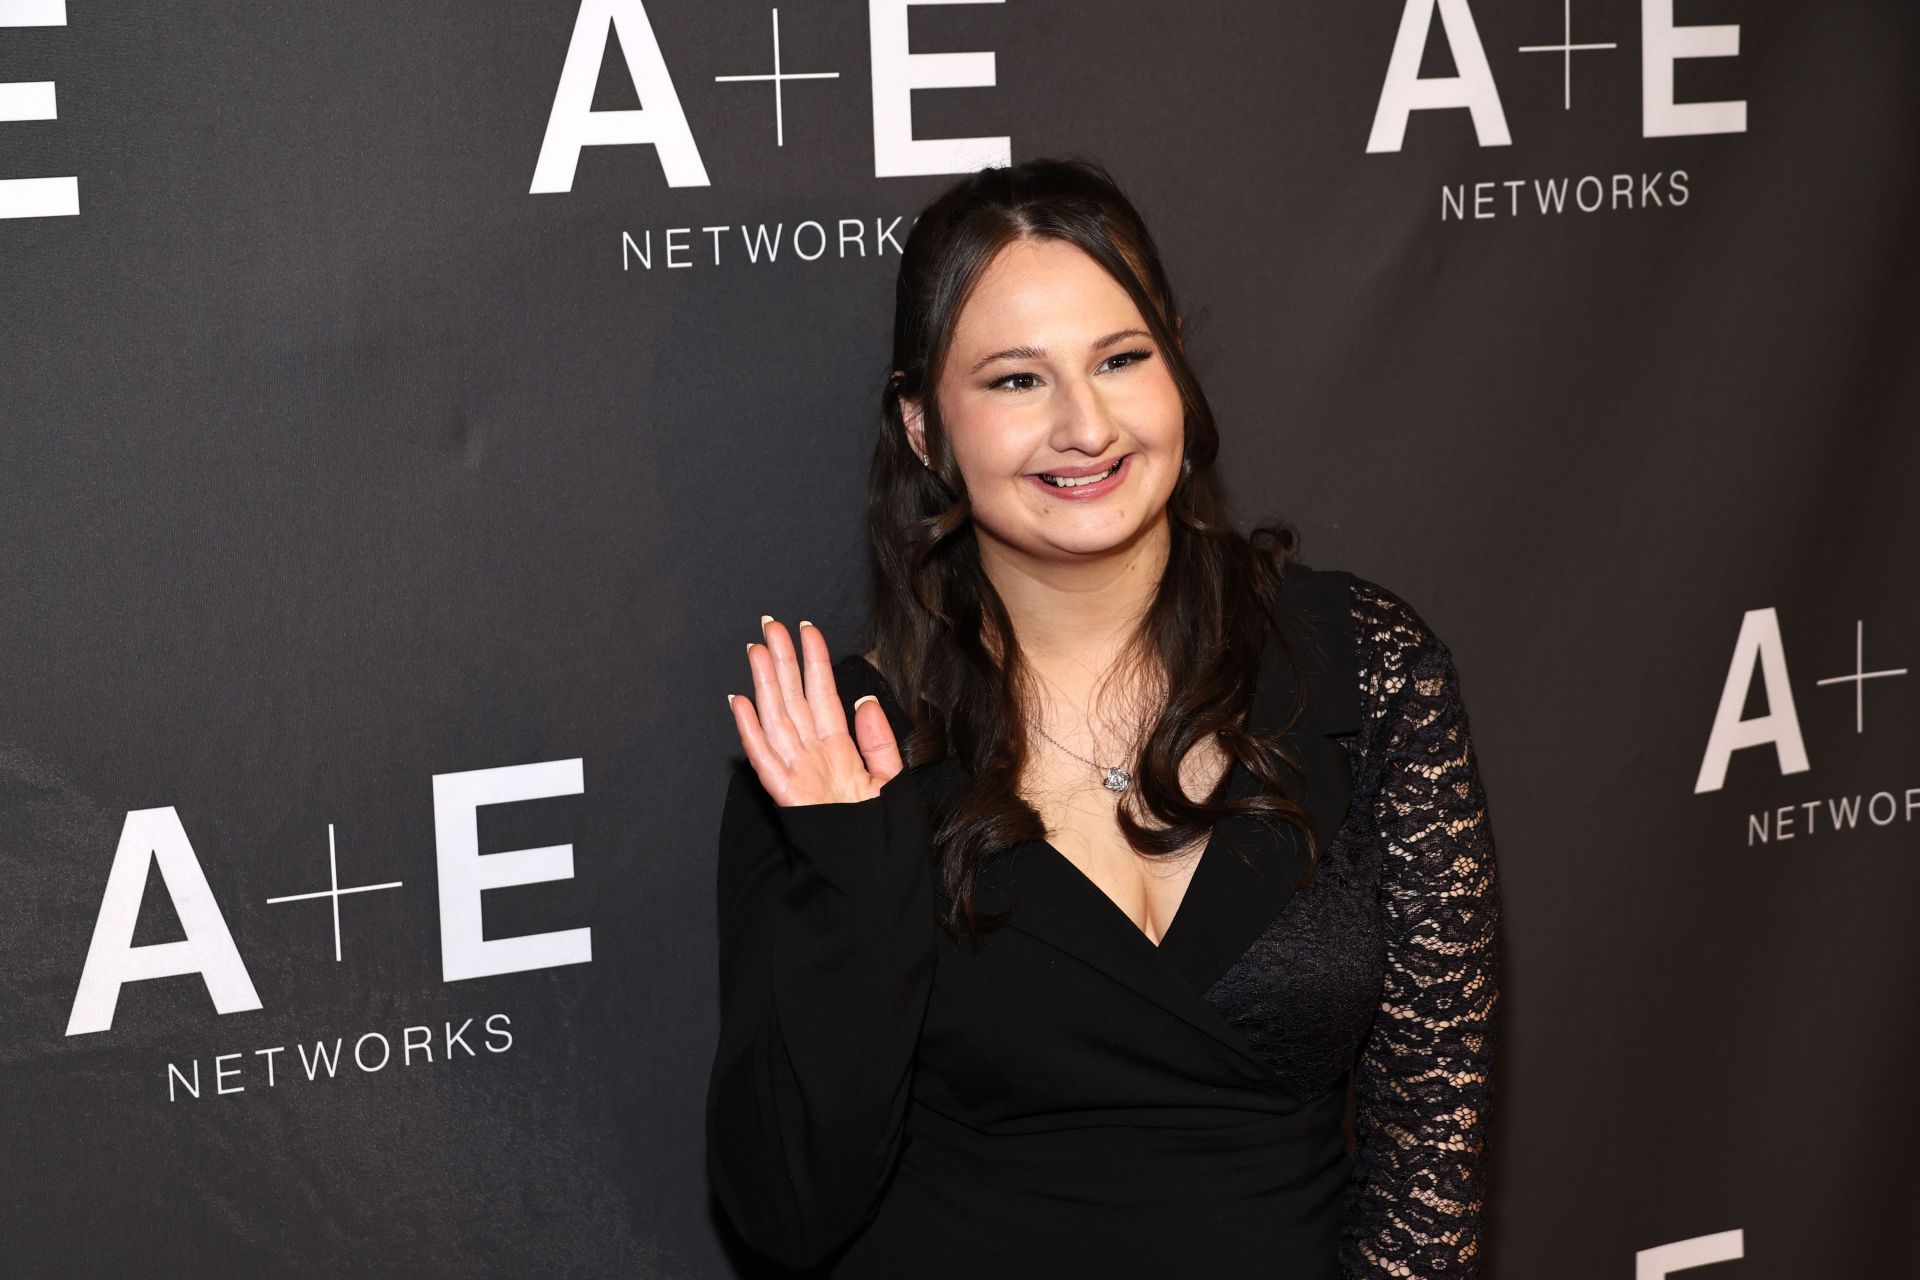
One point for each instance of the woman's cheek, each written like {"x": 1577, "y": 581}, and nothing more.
{"x": 1156, "y": 401}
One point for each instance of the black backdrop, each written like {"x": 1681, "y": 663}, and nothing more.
{"x": 349, "y": 448}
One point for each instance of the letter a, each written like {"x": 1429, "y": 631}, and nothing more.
{"x": 1405, "y": 92}
{"x": 574, "y": 123}
{"x": 1759, "y": 643}
{"x": 113, "y": 960}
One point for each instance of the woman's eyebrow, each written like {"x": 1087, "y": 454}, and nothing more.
{"x": 1040, "y": 353}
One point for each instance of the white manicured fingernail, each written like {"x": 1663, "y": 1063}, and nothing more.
{"x": 805, "y": 623}
{"x": 865, "y": 697}
{"x": 765, "y": 618}
{"x": 729, "y": 702}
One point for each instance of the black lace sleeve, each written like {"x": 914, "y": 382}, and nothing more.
{"x": 1414, "y": 1201}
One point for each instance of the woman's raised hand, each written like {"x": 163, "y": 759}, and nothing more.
{"x": 794, "y": 729}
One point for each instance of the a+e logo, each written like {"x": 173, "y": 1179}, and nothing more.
{"x": 1662, "y": 43}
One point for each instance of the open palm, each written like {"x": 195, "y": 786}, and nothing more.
{"x": 794, "y": 729}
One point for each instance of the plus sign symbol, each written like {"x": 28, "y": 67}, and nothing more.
{"x": 1859, "y": 676}
{"x": 779, "y": 79}
{"x": 333, "y": 892}
{"x": 1566, "y": 49}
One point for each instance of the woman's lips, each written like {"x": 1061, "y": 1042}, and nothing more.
{"x": 1086, "y": 492}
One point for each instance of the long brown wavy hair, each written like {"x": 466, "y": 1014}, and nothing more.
{"x": 942, "y": 636}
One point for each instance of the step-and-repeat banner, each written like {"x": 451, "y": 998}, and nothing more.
{"x": 408, "y": 410}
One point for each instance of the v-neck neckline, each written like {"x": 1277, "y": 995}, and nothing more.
{"x": 1180, "y": 912}
{"x": 1261, "y": 708}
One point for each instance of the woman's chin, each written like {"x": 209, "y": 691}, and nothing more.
{"x": 1064, "y": 547}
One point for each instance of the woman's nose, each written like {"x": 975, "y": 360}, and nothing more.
{"x": 1083, "y": 422}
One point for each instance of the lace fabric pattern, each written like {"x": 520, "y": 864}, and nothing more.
{"x": 1417, "y": 1190}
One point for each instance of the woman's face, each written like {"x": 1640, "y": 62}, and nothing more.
{"x": 1052, "y": 369}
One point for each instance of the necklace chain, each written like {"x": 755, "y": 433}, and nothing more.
{"x": 1113, "y": 777}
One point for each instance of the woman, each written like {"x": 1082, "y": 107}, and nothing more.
{"x": 1054, "y": 926}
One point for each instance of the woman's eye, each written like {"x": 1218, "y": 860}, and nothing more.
{"x": 1007, "y": 380}
{"x": 1001, "y": 381}
{"x": 1135, "y": 356}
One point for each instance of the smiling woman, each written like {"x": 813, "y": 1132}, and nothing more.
{"x": 1085, "y": 411}
{"x": 1182, "y": 842}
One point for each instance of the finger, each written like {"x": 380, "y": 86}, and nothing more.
{"x": 771, "y": 706}
{"x": 878, "y": 746}
{"x": 766, "y": 762}
{"x": 786, "y": 669}
{"x": 823, "y": 698}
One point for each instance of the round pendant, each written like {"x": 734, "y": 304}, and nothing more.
{"x": 1117, "y": 780}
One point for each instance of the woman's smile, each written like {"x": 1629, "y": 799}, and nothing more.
{"x": 1083, "y": 488}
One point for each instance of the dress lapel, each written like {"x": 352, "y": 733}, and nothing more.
{"x": 1251, "y": 870}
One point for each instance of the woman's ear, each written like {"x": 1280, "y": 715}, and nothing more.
{"x": 916, "y": 426}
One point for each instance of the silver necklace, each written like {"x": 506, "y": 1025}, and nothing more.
{"x": 1113, "y": 777}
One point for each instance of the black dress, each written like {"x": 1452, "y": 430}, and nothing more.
{"x": 1072, "y": 1100}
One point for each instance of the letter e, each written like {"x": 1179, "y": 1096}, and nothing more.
{"x": 465, "y": 873}
{"x": 34, "y": 100}
{"x": 897, "y": 72}
{"x": 1661, "y": 45}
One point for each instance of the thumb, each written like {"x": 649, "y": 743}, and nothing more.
{"x": 874, "y": 735}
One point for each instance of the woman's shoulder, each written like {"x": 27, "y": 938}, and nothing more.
{"x": 1388, "y": 657}
{"x": 1408, "y": 686}
{"x": 1381, "y": 621}
{"x": 1390, "y": 632}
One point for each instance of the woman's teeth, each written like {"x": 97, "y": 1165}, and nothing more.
{"x": 1075, "y": 482}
